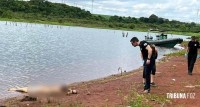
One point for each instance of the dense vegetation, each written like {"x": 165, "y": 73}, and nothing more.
{"x": 45, "y": 11}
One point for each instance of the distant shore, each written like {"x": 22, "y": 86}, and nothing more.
{"x": 90, "y": 26}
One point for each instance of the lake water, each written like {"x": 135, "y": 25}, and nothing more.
{"x": 36, "y": 53}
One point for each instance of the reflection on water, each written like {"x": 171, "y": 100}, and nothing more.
{"x": 36, "y": 53}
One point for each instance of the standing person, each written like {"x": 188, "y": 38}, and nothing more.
{"x": 146, "y": 54}
{"x": 154, "y": 57}
{"x": 193, "y": 46}
{"x": 153, "y": 62}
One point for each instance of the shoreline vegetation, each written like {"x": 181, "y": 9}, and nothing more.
{"x": 93, "y": 26}
{"x": 45, "y": 12}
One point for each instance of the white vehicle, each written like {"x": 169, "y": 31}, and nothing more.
{"x": 178, "y": 47}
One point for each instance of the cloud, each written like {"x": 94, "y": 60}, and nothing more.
{"x": 182, "y": 10}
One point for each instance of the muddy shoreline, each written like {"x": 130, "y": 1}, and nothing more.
{"x": 123, "y": 90}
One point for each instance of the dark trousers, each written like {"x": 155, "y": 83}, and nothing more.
{"x": 191, "y": 60}
{"x": 147, "y": 75}
{"x": 153, "y": 69}
{"x": 153, "y": 65}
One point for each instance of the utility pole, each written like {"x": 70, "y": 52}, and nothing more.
{"x": 92, "y": 6}
{"x": 63, "y": 1}
{"x": 197, "y": 20}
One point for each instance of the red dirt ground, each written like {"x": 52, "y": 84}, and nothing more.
{"x": 171, "y": 77}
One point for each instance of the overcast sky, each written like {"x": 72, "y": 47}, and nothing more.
{"x": 182, "y": 10}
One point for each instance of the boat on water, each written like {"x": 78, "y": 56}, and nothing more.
{"x": 162, "y": 40}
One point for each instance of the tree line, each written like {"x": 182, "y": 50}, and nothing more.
{"x": 44, "y": 10}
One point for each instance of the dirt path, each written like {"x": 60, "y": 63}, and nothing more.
{"x": 121, "y": 91}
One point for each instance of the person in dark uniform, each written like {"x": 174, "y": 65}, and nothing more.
{"x": 153, "y": 62}
{"x": 146, "y": 51}
{"x": 192, "y": 50}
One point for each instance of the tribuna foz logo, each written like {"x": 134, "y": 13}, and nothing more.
{"x": 181, "y": 95}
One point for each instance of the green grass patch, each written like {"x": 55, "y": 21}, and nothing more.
{"x": 185, "y": 33}
{"x": 179, "y": 53}
{"x": 146, "y": 100}
{"x": 75, "y": 104}
{"x": 138, "y": 102}
{"x": 160, "y": 99}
